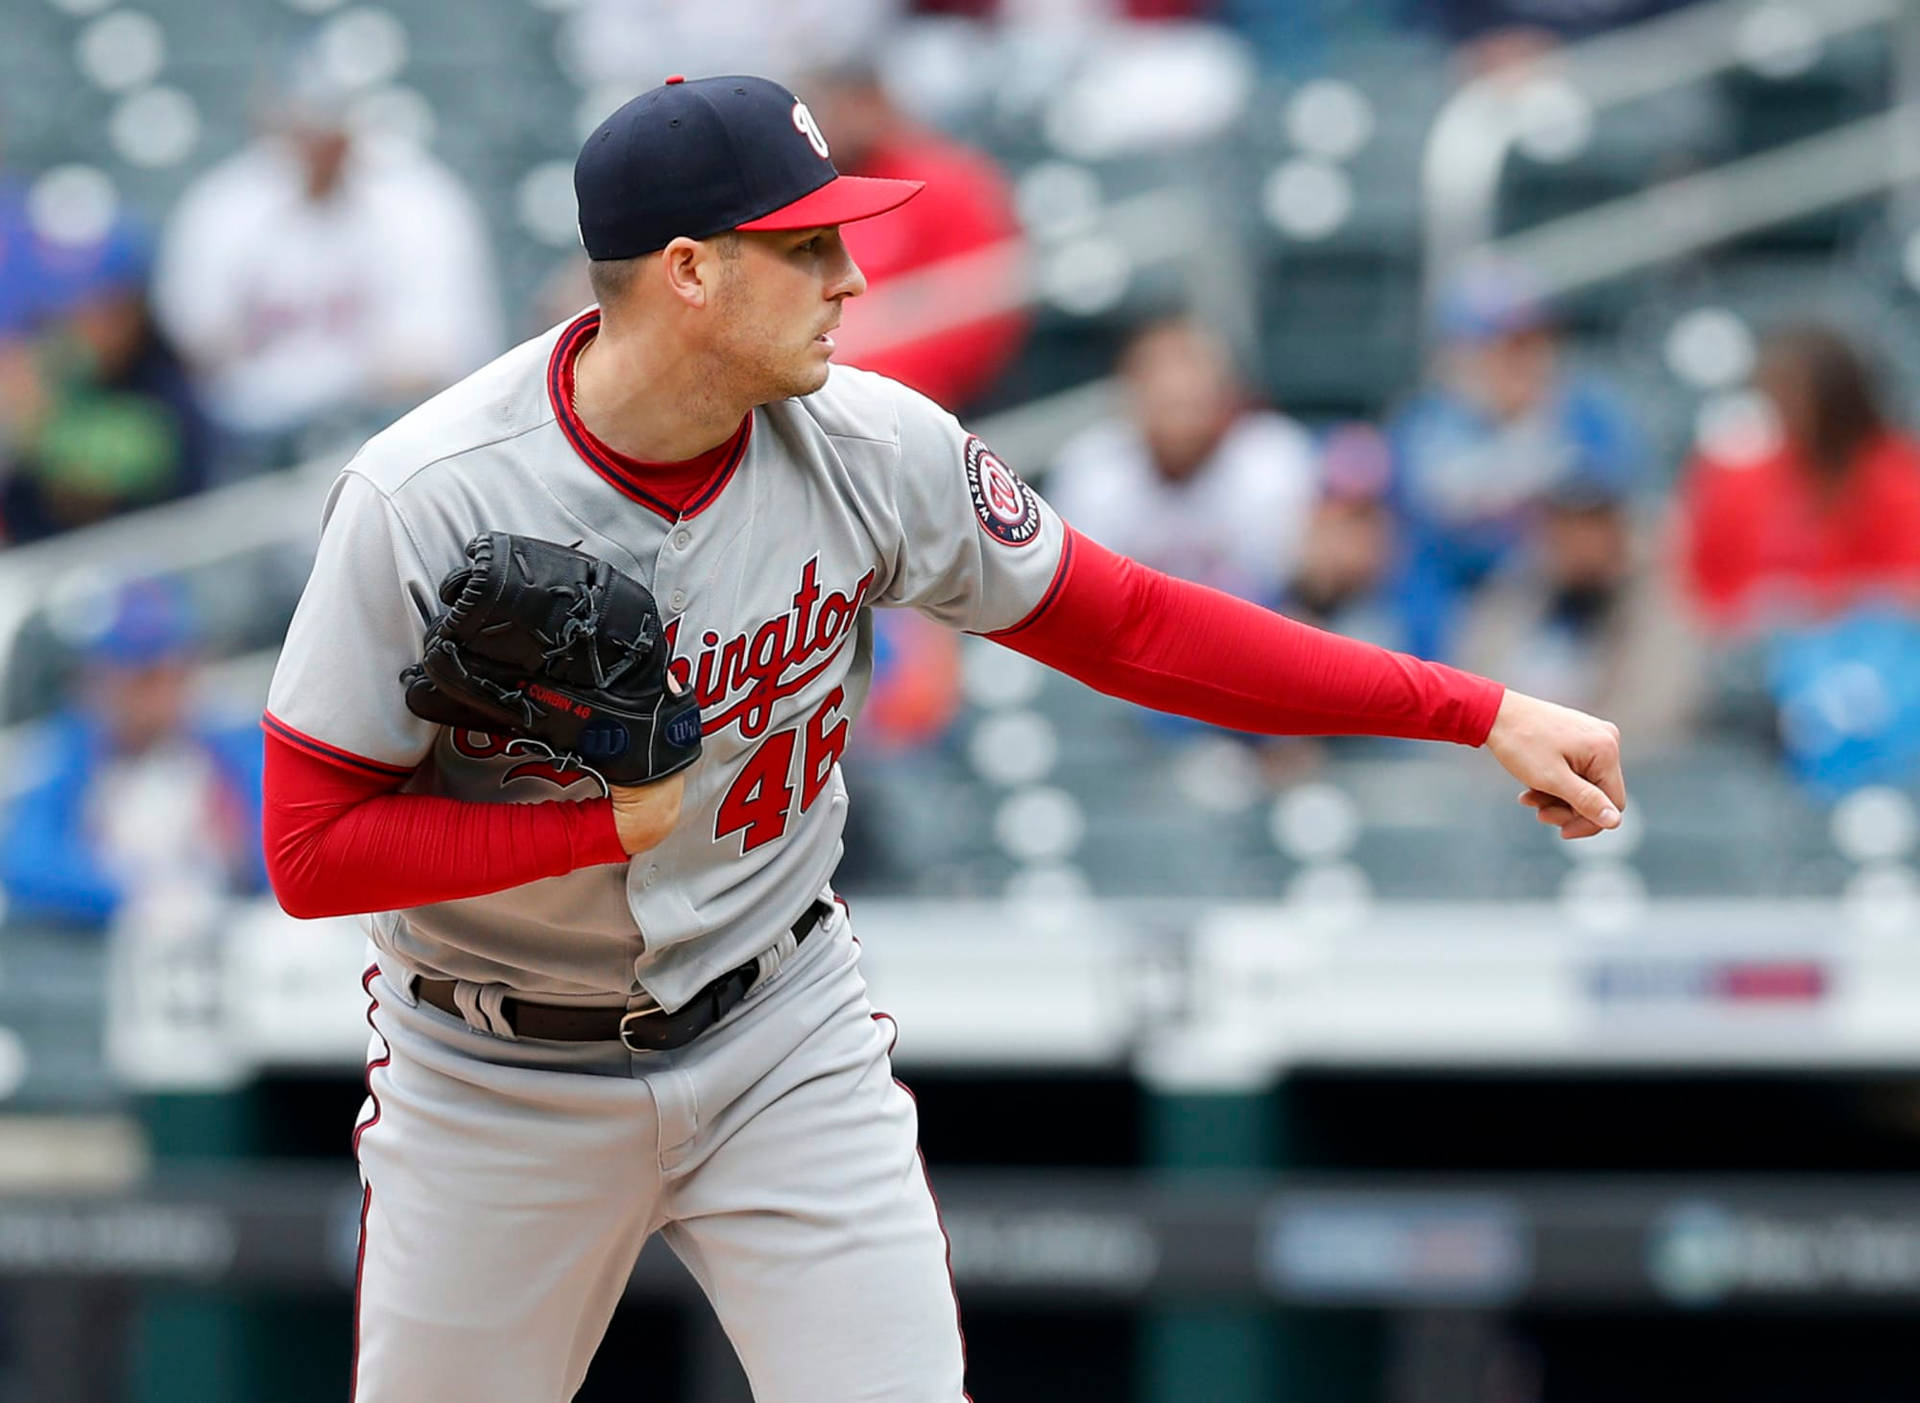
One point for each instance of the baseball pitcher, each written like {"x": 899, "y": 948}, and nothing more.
{"x": 562, "y": 712}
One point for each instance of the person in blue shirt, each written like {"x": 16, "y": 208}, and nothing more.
{"x": 127, "y": 787}
{"x": 1501, "y": 427}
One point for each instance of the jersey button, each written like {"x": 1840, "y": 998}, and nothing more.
{"x": 678, "y": 599}
{"x": 681, "y": 538}
{"x": 652, "y": 874}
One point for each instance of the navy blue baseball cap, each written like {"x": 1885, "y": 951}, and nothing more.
{"x": 698, "y": 157}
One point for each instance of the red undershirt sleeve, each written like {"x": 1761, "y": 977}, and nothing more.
{"x": 1137, "y": 634}
{"x": 341, "y": 842}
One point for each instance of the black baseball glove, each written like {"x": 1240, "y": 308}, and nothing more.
{"x": 551, "y": 646}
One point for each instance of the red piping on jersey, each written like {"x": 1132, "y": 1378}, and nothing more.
{"x": 373, "y": 1064}
{"x": 1053, "y": 591}
{"x": 359, "y": 1275}
{"x": 1145, "y": 637}
{"x": 327, "y": 752}
{"x": 366, "y": 1188}
{"x": 623, "y": 473}
{"x": 705, "y": 498}
{"x": 953, "y": 1287}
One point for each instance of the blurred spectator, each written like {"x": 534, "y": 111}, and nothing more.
{"x": 130, "y": 792}
{"x": 1348, "y": 579}
{"x": 1800, "y": 543}
{"x": 1501, "y": 424}
{"x": 1347, "y": 576}
{"x": 1195, "y": 480}
{"x": 33, "y": 259}
{"x": 912, "y": 702}
{"x": 633, "y": 44}
{"x": 1813, "y": 519}
{"x": 914, "y": 693}
{"x": 1496, "y": 34}
{"x": 20, "y": 249}
{"x": 1064, "y": 11}
{"x": 1583, "y": 618}
{"x": 321, "y": 279}
{"x": 50, "y": 248}
{"x": 942, "y": 310}
{"x": 1846, "y": 699}
{"x": 96, "y": 413}
{"x": 1563, "y": 19}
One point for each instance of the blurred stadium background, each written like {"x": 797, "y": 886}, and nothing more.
{"x": 1575, "y": 342}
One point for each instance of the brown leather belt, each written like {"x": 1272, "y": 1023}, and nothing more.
{"x": 650, "y": 1030}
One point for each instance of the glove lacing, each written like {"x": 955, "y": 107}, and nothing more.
{"x": 582, "y": 621}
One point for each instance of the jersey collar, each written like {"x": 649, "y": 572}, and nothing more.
{"x": 629, "y": 475}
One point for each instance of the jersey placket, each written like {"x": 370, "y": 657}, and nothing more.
{"x": 669, "y": 569}
{"x": 660, "y": 905}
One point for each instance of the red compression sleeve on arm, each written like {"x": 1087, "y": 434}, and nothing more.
{"x": 1146, "y": 637}
{"x": 339, "y": 841}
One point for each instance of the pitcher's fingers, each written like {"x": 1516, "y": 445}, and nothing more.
{"x": 1607, "y": 774}
{"x": 1558, "y": 813}
{"x": 1588, "y": 800}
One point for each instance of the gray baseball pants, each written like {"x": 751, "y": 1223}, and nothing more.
{"x": 508, "y": 1185}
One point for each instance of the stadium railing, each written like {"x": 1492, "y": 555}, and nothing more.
{"x": 1479, "y": 128}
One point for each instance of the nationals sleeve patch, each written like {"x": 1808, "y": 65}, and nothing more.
{"x": 1006, "y": 506}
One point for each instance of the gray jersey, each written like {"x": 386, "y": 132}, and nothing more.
{"x": 864, "y": 494}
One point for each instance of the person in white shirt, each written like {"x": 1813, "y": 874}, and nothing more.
{"x": 317, "y": 275}
{"x": 630, "y": 43}
{"x": 1196, "y": 480}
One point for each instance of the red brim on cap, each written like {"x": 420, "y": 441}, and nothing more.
{"x": 841, "y": 200}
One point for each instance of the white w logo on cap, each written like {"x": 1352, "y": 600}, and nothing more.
{"x": 803, "y": 123}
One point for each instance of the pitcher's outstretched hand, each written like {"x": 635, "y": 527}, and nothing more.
{"x": 1569, "y": 761}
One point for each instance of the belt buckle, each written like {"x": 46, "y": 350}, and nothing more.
{"x": 628, "y": 1030}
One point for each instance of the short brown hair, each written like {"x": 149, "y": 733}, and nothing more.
{"x": 611, "y": 277}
